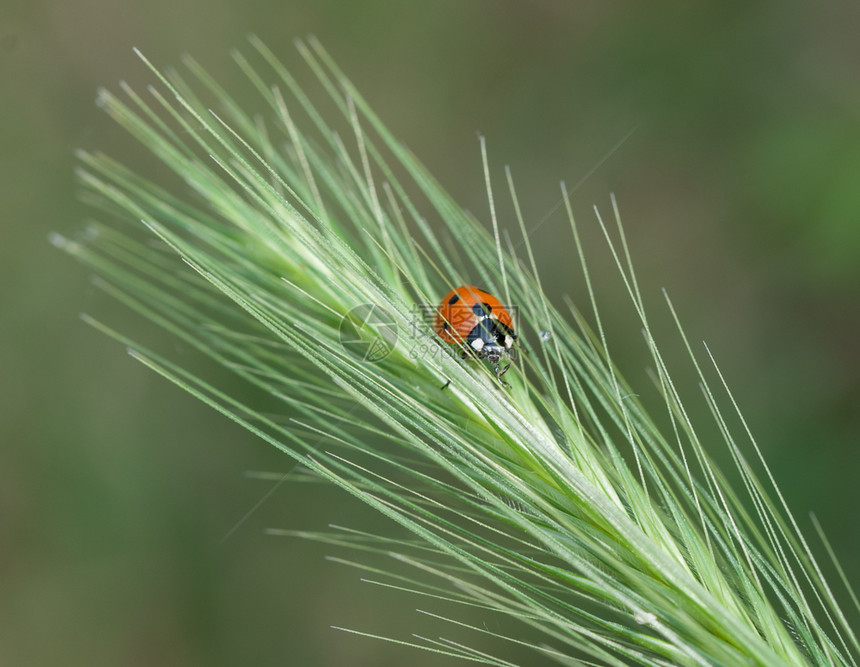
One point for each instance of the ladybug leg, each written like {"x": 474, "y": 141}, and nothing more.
{"x": 445, "y": 386}
{"x": 500, "y": 373}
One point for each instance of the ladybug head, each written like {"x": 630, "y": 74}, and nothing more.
{"x": 491, "y": 340}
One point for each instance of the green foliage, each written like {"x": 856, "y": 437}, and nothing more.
{"x": 557, "y": 501}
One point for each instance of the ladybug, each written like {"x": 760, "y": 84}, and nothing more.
{"x": 478, "y": 322}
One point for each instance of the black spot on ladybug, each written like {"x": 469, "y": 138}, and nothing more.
{"x": 454, "y": 299}
{"x": 481, "y": 309}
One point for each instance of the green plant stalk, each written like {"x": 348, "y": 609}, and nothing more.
{"x": 519, "y": 500}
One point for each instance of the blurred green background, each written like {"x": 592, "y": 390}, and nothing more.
{"x": 740, "y": 191}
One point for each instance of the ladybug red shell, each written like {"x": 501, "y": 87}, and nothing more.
{"x": 477, "y": 321}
